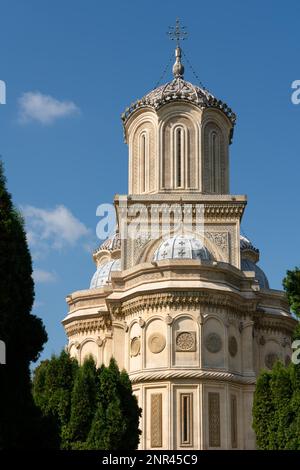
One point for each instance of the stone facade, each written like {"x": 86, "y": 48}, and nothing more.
{"x": 193, "y": 332}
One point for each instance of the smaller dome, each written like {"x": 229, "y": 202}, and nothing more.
{"x": 182, "y": 247}
{"x": 111, "y": 243}
{"x": 248, "y": 265}
{"x": 102, "y": 276}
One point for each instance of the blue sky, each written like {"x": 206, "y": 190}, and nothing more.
{"x": 65, "y": 155}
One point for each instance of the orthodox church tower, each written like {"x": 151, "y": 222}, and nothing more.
{"x": 186, "y": 311}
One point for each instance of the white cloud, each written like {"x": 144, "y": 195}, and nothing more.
{"x": 34, "y": 106}
{"x": 41, "y": 276}
{"x": 53, "y": 229}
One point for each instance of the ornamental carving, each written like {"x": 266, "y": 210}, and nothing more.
{"x": 232, "y": 346}
{"x": 156, "y": 343}
{"x": 185, "y": 341}
{"x": 270, "y": 359}
{"x": 213, "y": 342}
{"x": 135, "y": 346}
{"x": 220, "y": 239}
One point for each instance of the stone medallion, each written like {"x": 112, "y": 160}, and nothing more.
{"x": 156, "y": 343}
{"x": 270, "y": 359}
{"x": 232, "y": 346}
{"x": 185, "y": 341}
{"x": 135, "y": 346}
{"x": 213, "y": 342}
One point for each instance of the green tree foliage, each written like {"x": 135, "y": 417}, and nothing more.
{"x": 101, "y": 411}
{"x": 276, "y": 407}
{"x": 291, "y": 284}
{"x": 52, "y": 389}
{"x": 83, "y": 403}
{"x": 115, "y": 425}
{"x": 23, "y": 333}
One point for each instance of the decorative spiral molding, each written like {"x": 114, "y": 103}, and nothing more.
{"x": 190, "y": 374}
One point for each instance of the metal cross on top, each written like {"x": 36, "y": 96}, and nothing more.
{"x": 177, "y": 33}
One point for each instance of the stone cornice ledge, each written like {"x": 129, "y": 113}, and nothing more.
{"x": 149, "y": 376}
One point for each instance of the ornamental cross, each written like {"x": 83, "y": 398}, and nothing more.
{"x": 177, "y": 32}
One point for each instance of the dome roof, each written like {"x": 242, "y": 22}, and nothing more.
{"x": 102, "y": 276}
{"x": 248, "y": 265}
{"x": 179, "y": 90}
{"x": 112, "y": 243}
{"x": 182, "y": 247}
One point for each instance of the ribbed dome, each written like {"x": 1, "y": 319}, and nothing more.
{"x": 249, "y": 258}
{"x": 248, "y": 265}
{"x": 102, "y": 276}
{"x": 111, "y": 243}
{"x": 182, "y": 247}
{"x": 179, "y": 90}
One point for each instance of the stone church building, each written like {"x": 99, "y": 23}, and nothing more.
{"x": 190, "y": 315}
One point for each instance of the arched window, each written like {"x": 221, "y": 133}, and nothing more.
{"x": 179, "y": 157}
{"x": 143, "y": 163}
{"x": 215, "y": 173}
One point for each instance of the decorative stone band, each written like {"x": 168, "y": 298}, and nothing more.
{"x": 88, "y": 325}
{"x": 182, "y": 300}
{"x": 191, "y": 374}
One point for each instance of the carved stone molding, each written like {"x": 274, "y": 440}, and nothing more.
{"x": 179, "y": 300}
{"x": 220, "y": 239}
{"x": 88, "y": 325}
{"x": 149, "y": 376}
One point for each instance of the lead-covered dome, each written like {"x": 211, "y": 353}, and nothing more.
{"x": 249, "y": 258}
{"x": 102, "y": 276}
{"x": 182, "y": 247}
{"x": 179, "y": 90}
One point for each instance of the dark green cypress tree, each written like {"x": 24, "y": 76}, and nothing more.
{"x": 23, "y": 333}
{"x": 53, "y": 383}
{"x": 83, "y": 404}
{"x": 263, "y": 411}
{"x": 115, "y": 425}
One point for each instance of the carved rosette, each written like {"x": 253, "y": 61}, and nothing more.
{"x": 186, "y": 341}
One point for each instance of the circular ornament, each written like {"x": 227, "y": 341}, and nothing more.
{"x": 213, "y": 342}
{"x": 156, "y": 343}
{"x": 135, "y": 346}
{"x": 185, "y": 341}
{"x": 232, "y": 346}
{"x": 270, "y": 360}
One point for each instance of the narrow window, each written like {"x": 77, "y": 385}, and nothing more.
{"x": 186, "y": 424}
{"x": 179, "y": 143}
{"x": 143, "y": 166}
{"x": 215, "y": 174}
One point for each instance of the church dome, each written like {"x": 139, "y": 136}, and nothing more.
{"x": 182, "y": 247}
{"x": 249, "y": 258}
{"x": 102, "y": 276}
{"x": 248, "y": 265}
{"x": 179, "y": 90}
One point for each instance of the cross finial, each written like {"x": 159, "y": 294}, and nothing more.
{"x": 177, "y": 32}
